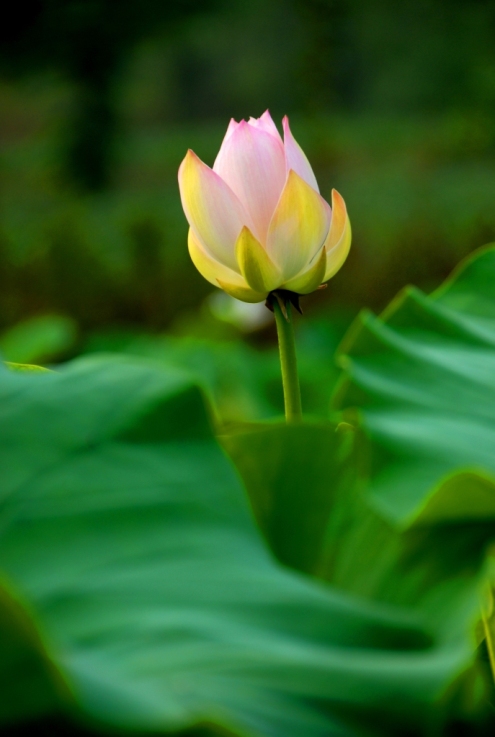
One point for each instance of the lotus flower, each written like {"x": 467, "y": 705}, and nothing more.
{"x": 257, "y": 220}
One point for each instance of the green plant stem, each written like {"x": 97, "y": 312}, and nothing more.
{"x": 288, "y": 362}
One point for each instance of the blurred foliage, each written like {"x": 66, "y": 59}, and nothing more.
{"x": 38, "y": 339}
{"x": 88, "y": 41}
{"x": 241, "y": 381}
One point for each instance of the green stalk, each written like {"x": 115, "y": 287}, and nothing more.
{"x": 288, "y": 362}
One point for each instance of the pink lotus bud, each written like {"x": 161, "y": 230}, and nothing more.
{"x": 257, "y": 220}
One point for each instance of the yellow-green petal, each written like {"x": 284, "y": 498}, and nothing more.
{"x": 208, "y": 266}
{"x": 298, "y": 227}
{"x": 255, "y": 264}
{"x": 243, "y": 293}
{"x": 211, "y": 208}
{"x": 309, "y": 280}
{"x": 338, "y": 242}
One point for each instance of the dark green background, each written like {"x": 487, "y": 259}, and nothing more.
{"x": 99, "y": 101}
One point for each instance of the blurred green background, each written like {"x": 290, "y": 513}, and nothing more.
{"x": 392, "y": 102}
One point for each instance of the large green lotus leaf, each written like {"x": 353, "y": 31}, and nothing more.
{"x": 422, "y": 540}
{"x": 136, "y": 591}
{"x": 295, "y": 474}
{"x": 306, "y": 485}
{"x": 424, "y": 376}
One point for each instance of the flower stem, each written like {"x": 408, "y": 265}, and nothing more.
{"x": 288, "y": 362}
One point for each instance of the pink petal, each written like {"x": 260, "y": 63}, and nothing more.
{"x": 265, "y": 123}
{"x": 295, "y": 158}
{"x": 252, "y": 163}
{"x": 212, "y": 209}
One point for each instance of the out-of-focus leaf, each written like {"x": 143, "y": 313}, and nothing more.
{"x": 28, "y": 684}
{"x": 236, "y": 378}
{"x": 24, "y": 367}
{"x": 146, "y": 594}
{"x": 243, "y": 384}
{"x": 40, "y": 339}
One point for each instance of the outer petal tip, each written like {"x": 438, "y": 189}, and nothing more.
{"x": 339, "y": 237}
{"x": 190, "y": 160}
{"x": 339, "y": 222}
{"x": 265, "y": 123}
{"x": 255, "y": 265}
